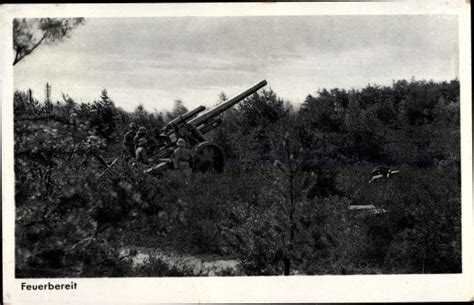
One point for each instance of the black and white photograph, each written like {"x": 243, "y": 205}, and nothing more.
{"x": 253, "y": 146}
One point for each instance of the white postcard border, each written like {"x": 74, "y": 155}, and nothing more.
{"x": 354, "y": 288}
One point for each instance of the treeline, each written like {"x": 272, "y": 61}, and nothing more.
{"x": 281, "y": 205}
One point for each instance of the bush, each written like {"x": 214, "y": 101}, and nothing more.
{"x": 280, "y": 206}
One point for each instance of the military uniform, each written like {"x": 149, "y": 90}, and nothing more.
{"x": 182, "y": 157}
{"x": 128, "y": 144}
{"x": 140, "y": 134}
{"x": 141, "y": 154}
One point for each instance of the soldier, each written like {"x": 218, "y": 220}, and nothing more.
{"x": 182, "y": 157}
{"x": 128, "y": 144}
{"x": 92, "y": 150}
{"x": 73, "y": 118}
{"x": 141, "y": 153}
{"x": 140, "y": 134}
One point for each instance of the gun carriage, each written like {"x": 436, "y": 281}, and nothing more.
{"x": 192, "y": 126}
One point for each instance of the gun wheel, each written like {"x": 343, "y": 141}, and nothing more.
{"x": 208, "y": 157}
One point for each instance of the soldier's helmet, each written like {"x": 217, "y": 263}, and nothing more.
{"x": 142, "y": 129}
{"x": 73, "y": 117}
{"x": 93, "y": 140}
{"x": 181, "y": 142}
{"x": 133, "y": 126}
{"x": 142, "y": 141}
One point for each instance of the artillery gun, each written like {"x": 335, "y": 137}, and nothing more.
{"x": 192, "y": 126}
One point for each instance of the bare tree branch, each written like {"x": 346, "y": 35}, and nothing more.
{"x": 18, "y": 55}
{"x": 51, "y": 30}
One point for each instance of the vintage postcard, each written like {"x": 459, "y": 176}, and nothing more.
{"x": 237, "y": 152}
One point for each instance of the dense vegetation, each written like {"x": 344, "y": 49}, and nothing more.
{"x": 281, "y": 205}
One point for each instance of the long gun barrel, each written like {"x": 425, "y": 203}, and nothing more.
{"x": 206, "y": 116}
{"x": 191, "y": 126}
{"x": 186, "y": 116}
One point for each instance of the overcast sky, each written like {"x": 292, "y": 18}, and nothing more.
{"x": 153, "y": 61}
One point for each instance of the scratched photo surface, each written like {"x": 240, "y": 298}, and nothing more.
{"x": 236, "y": 146}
